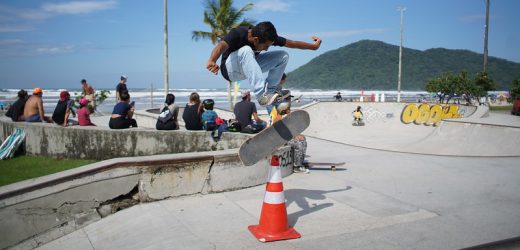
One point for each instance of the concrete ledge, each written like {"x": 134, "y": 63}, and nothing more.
{"x": 102, "y": 143}
{"x": 37, "y": 211}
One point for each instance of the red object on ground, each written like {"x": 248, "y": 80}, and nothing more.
{"x": 516, "y": 107}
{"x": 273, "y": 224}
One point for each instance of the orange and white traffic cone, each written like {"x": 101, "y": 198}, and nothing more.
{"x": 273, "y": 218}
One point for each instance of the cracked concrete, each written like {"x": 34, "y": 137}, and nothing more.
{"x": 43, "y": 209}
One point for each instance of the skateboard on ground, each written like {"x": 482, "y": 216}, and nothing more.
{"x": 268, "y": 140}
{"x": 332, "y": 165}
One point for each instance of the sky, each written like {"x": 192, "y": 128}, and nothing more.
{"x": 56, "y": 43}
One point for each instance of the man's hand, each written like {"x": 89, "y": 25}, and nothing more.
{"x": 213, "y": 67}
{"x": 317, "y": 42}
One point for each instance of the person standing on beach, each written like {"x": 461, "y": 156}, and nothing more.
{"x": 241, "y": 58}
{"x": 89, "y": 93}
{"x": 33, "y": 110}
{"x": 121, "y": 87}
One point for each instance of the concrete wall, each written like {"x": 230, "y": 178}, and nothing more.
{"x": 39, "y": 210}
{"x": 102, "y": 143}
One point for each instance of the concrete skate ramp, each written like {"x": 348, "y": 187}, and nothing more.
{"x": 474, "y": 135}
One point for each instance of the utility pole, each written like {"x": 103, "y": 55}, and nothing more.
{"x": 166, "y": 80}
{"x": 486, "y": 36}
{"x": 401, "y": 9}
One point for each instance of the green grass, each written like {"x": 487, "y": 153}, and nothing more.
{"x": 25, "y": 167}
{"x": 506, "y": 107}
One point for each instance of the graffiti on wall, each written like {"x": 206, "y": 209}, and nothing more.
{"x": 429, "y": 114}
{"x": 372, "y": 114}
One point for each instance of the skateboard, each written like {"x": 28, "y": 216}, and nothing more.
{"x": 268, "y": 140}
{"x": 331, "y": 164}
{"x": 358, "y": 123}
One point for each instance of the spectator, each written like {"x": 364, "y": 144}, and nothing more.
{"x": 246, "y": 109}
{"x": 192, "y": 113}
{"x": 299, "y": 145}
{"x": 84, "y": 113}
{"x": 16, "y": 110}
{"x": 89, "y": 93}
{"x": 121, "y": 87}
{"x": 338, "y": 97}
{"x": 167, "y": 120}
{"x": 63, "y": 109}
{"x": 122, "y": 114}
{"x": 209, "y": 116}
{"x": 33, "y": 109}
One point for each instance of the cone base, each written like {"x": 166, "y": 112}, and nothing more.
{"x": 289, "y": 234}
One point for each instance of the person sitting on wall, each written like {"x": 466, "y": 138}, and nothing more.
{"x": 209, "y": 115}
{"x": 192, "y": 113}
{"x": 63, "y": 109}
{"x": 246, "y": 109}
{"x": 122, "y": 114}
{"x": 167, "y": 120}
{"x": 84, "y": 113}
{"x": 15, "y": 111}
{"x": 33, "y": 109}
{"x": 338, "y": 97}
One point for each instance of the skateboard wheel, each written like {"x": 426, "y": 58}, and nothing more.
{"x": 333, "y": 168}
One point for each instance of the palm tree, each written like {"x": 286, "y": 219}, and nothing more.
{"x": 221, "y": 17}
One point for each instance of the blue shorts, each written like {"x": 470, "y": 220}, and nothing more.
{"x": 33, "y": 118}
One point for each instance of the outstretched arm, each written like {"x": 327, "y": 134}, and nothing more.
{"x": 304, "y": 45}
{"x": 212, "y": 65}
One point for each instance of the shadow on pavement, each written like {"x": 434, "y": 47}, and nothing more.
{"x": 303, "y": 199}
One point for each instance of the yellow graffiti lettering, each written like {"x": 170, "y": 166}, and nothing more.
{"x": 410, "y": 113}
{"x": 428, "y": 115}
{"x": 424, "y": 114}
{"x": 436, "y": 115}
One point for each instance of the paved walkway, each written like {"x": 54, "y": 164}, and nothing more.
{"x": 378, "y": 200}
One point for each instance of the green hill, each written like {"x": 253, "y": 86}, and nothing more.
{"x": 369, "y": 64}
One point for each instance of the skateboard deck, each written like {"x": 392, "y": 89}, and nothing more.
{"x": 332, "y": 165}
{"x": 268, "y": 140}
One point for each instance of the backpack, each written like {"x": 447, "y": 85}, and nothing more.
{"x": 165, "y": 115}
{"x": 234, "y": 126}
{"x": 251, "y": 129}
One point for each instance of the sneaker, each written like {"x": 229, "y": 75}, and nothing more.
{"x": 302, "y": 170}
{"x": 268, "y": 98}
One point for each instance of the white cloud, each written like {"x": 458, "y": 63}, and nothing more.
{"x": 14, "y": 19}
{"x": 55, "y": 49}
{"x": 10, "y": 41}
{"x": 77, "y": 7}
{"x": 271, "y": 5}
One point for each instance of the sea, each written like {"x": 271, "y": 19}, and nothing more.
{"x": 147, "y": 99}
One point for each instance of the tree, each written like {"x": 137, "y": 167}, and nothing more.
{"x": 485, "y": 83}
{"x": 443, "y": 86}
{"x": 221, "y": 17}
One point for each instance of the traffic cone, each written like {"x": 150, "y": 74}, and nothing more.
{"x": 273, "y": 223}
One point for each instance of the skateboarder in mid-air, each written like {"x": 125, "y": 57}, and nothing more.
{"x": 241, "y": 58}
